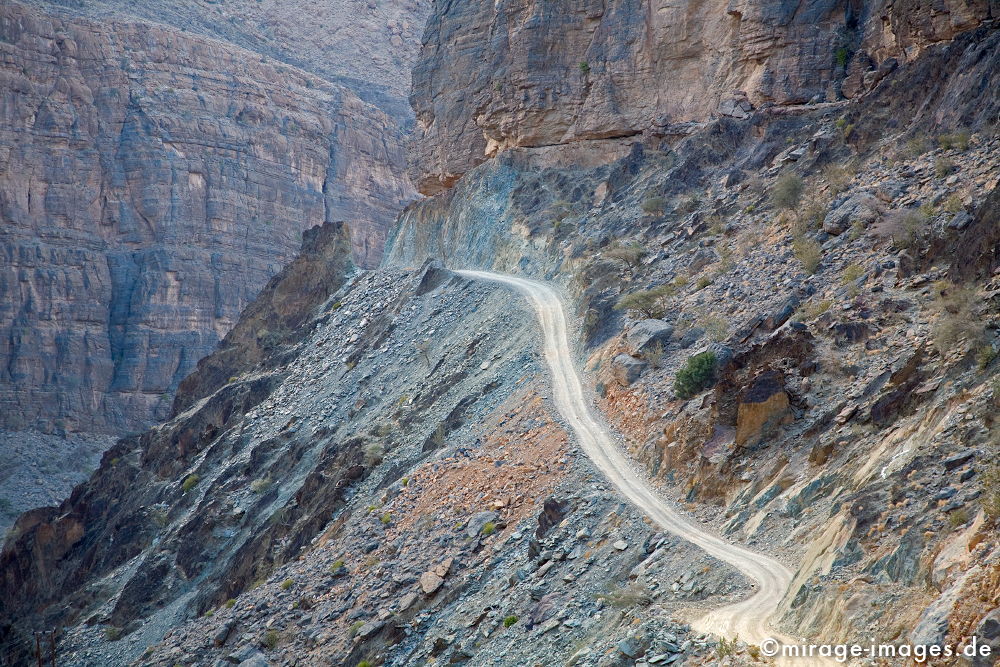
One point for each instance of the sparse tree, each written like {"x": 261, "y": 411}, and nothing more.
{"x": 630, "y": 254}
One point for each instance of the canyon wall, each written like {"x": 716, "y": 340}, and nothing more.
{"x": 495, "y": 75}
{"x": 365, "y": 45}
{"x": 151, "y": 182}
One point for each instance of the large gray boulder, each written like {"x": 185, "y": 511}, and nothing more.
{"x": 856, "y": 208}
{"x": 987, "y": 634}
{"x": 644, "y": 336}
{"x": 626, "y": 369}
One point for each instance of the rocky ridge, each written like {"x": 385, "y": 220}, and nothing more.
{"x": 376, "y": 493}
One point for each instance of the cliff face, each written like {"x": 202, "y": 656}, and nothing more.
{"x": 151, "y": 182}
{"x": 367, "y": 46}
{"x": 494, "y": 75}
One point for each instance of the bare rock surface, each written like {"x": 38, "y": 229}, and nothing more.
{"x": 151, "y": 182}
{"x": 495, "y": 75}
{"x": 42, "y": 468}
{"x": 363, "y": 45}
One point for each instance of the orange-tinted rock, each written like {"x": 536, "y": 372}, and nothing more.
{"x": 761, "y": 407}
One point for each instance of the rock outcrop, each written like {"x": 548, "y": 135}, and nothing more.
{"x": 151, "y": 182}
{"x": 494, "y": 75}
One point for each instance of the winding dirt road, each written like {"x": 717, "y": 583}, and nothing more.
{"x": 748, "y": 619}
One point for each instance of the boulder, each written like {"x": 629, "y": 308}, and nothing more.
{"x": 255, "y": 660}
{"x": 222, "y": 634}
{"x": 369, "y": 629}
{"x": 690, "y": 337}
{"x": 406, "y": 601}
{"x": 856, "y": 208}
{"x": 644, "y": 335}
{"x": 444, "y": 567}
{"x": 476, "y": 523}
{"x": 761, "y": 407}
{"x": 627, "y": 369}
{"x": 961, "y": 220}
{"x": 737, "y": 106}
{"x": 553, "y": 512}
{"x": 430, "y": 582}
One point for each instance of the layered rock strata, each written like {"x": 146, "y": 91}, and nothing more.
{"x": 151, "y": 182}
{"x": 495, "y": 75}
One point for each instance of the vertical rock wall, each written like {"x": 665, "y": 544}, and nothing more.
{"x": 494, "y": 74}
{"x": 151, "y": 182}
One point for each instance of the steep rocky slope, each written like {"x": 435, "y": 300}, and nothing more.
{"x": 151, "y": 182}
{"x": 836, "y": 262}
{"x": 389, "y": 481}
{"x": 494, "y": 75}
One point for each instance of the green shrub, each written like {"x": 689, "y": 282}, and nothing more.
{"x": 654, "y": 205}
{"x": 990, "y": 498}
{"x": 654, "y": 355}
{"x": 852, "y": 273}
{"x": 509, "y": 621}
{"x": 488, "y": 528}
{"x": 190, "y": 482}
{"x": 838, "y": 177}
{"x": 374, "y": 453}
{"x": 270, "y": 639}
{"x": 365, "y": 663}
{"x": 905, "y": 227}
{"x": 841, "y": 56}
{"x": 985, "y": 356}
{"x": 916, "y": 147}
{"x": 787, "y": 191}
{"x": 386, "y": 519}
{"x": 955, "y": 322}
{"x": 584, "y": 67}
{"x": 953, "y": 204}
{"x": 160, "y": 517}
{"x": 287, "y": 583}
{"x": 355, "y": 627}
{"x": 726, "y": 647}
{"x": 943, "y": 166}
{"x": 959, "y": 140}
{"x": 230, "y": 603}
{"x": 697, "y": 374}
{"x": 809, "y": 253}
{"x": 958, "y": 517}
